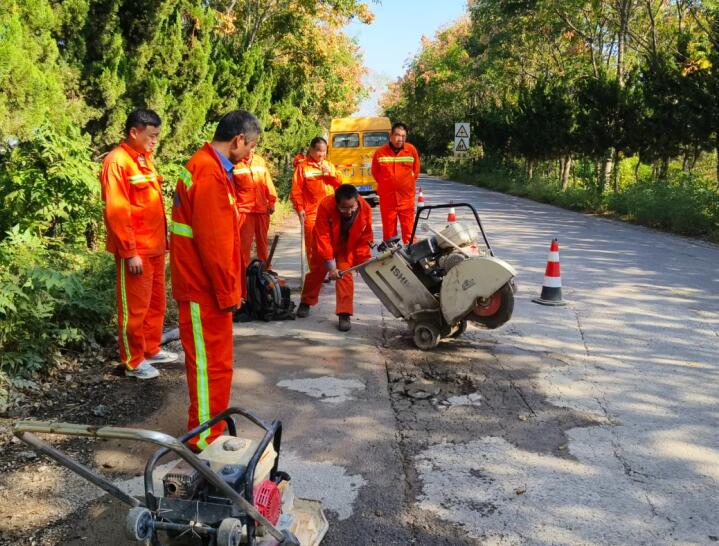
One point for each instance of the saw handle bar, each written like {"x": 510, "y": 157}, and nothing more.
{"x": 25, "y": 430}
{"x": 430, "y": 208}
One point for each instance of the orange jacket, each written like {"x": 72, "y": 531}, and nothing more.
{"x": 254, "y": 188}
{"x": 205, "y": 241}
{"x": 310, "y": 186}
{"x": 396, "y": 175}
{"x": 328, "y": 243}
{"x": 134, "y": 212}
{"x": 299, "y": 157}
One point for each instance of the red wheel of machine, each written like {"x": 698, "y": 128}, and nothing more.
{"x": 268, "y": 500}
{"x": 496, "y": 310}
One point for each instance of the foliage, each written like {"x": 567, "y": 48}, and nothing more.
{"x": 50, "y": 300}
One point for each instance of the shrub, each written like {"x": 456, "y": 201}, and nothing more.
{"x": 51, "y": 299}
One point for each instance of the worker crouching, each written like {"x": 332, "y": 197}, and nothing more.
{"x": 341, "y": 239}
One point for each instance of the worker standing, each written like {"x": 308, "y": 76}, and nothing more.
{"x": 137, "y": 235}
{"x": 256, "y": 198}
{"x": 395, "y": 167}
{"x": 342, "y": 238}
{"x": 314, "y": 179}
{"x": 205, "y": 266}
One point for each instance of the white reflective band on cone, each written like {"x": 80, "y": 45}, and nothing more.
{"x": 552, "y": 282}
{"x": 553, "y": 257}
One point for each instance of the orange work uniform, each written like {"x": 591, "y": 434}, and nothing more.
{"x": 205, "y": 267}
{"x": 136, "y": 226}
{"x": 333, "y": 248}
{"x": 309, "y": 187}
{"x": 396, "y": 175}
{"x": 256, "y": 198}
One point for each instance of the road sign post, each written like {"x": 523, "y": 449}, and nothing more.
{"x": 461, "y": 139}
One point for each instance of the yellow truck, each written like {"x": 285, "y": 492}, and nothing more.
{"x": 352, "y": 143}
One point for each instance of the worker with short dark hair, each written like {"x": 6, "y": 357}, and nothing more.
{"x": 342, "y": 238}
{"x": 314, "y": 179}
{"x": 137, "y": 235}
{"x": 205, "y": 266}
{"x": 396, "y": 167}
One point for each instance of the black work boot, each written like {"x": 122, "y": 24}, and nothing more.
{"x": 303, "y": 310}
{"x": 345, "y": 323}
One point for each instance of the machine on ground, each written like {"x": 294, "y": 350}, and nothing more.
{"x": 439, "y": 283}
{"x": 229, "y": 494}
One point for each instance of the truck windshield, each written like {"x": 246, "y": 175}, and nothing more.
{"x": 375, "y": 139}
{"x": 345, "y": 140}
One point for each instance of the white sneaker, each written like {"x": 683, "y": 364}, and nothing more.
{"x": 163, "y": 357}
{"x": 144, "y": 371}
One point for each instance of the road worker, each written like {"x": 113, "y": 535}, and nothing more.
{"x": 314, "y": 179}
{"x": 256, "y": 198}
{"x": 205, "y": 266}
{"x": 342, "y": 238}
{"x": 137, "y": 236}
{"x": 299, "y": 157}
{"x": 395, "y": 167}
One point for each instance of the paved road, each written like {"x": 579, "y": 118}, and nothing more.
{"x": 593, "y": 423}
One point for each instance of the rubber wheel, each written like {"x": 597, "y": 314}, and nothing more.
{"x": 138, "y": 525}
{"x": 229, "y": 533}
{"x": 462, "y": 329}
{"x": 503, "y": 301}
{"x": 426, "y": 336}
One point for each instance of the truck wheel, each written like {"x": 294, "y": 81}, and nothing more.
{"x": 138, "y": 525}
{"x": 498, "y": 310}
{"x": 229, "y": 533}
{"x": 426, "y": 336}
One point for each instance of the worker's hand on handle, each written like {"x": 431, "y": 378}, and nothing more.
{"x": 134, "y": 265}
{"x": 335, "y": 274}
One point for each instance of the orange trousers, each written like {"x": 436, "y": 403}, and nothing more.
{"x": 206, "y": 335}
{"x": 140, "y": 309}
{"x": 309, "y": 236}
{"x": 344, "y": 287}
{"x": 253, "y": 226}
{"x": 389, "y": 213}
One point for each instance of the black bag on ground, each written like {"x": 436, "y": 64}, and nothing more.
{"x": 267, "y": 296}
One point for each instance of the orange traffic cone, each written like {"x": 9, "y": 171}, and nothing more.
{"x": 452, "y": 216}
{"x": 420, "y": 198}
{"x": 552, "y": 286}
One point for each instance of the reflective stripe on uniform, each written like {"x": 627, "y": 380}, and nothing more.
{"x": 186, "y": 178}
{"x": 401, "y": 159}
{"x": 181, "y": 229}
{"x": 202, "y": 380}
{"x": 259, "y": 169}
{"x": 311, "y": 173}
{"x": 241, "y": 170}
{"x": 232, "y": 199}
{"x": 140, "y": 178}
{"x": 123, "y": 298}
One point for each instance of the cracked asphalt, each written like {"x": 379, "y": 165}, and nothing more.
{"x": 589, "y": 424}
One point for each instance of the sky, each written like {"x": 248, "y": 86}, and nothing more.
{"x": 394, "y": 37}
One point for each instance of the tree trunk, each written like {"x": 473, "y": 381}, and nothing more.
{"x": 717, "y": 151}
{"x": 605, "y": 170}
{"x": 566, "y": 168}
{"x": 664, "y": 169}
{"x": 636, "y": 170}
{"x": 530, "y": 169}
{"x": 615, "y": 177}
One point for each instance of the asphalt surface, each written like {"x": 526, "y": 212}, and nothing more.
{"x": 592, "y": 423}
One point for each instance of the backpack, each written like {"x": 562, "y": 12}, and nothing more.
{"x": 268, "y": 298}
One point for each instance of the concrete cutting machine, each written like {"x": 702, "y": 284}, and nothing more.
{"x": 231, "y": 493}
{"x": 439, "y": 283}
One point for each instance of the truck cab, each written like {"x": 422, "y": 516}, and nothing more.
{"x": 352, "y": 143}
